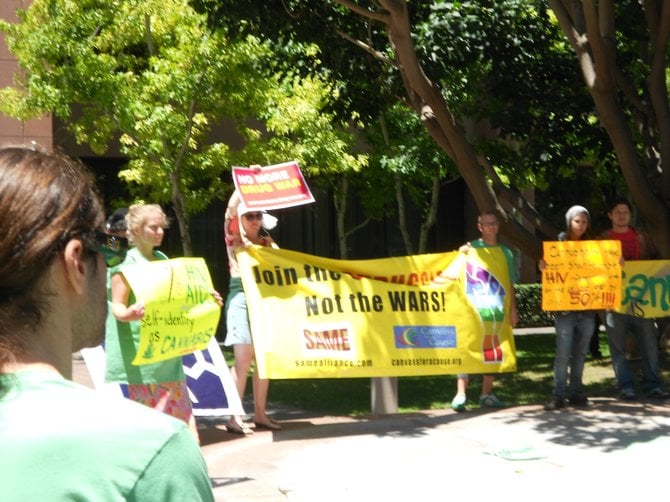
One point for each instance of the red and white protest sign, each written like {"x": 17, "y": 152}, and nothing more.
{"x": 272, "y": 187}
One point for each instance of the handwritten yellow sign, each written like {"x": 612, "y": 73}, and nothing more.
{"x": 646, "y": 288}
{"x": 314, "y": 317}
{"x": 181, "y": 315}
{"x": 581, "y": 275}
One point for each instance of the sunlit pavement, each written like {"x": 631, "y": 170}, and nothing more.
{"x": 612, "y": 450}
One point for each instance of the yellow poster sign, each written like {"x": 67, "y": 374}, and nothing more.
{"x": 431, "y": 314}
{"x": 180, "y": 312}
{"x": 646, "y": 288}
{"x": 581, "y": 275}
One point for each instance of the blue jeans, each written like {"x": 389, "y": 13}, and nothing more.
{"x": 573, "y": 334}
{"x": 645, "y": 333}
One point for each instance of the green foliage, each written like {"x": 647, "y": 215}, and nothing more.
{"x": 146, "y": 71}
{"x": 301, "y": 127}
{"x": 505, "y": 67}
{"x": 157, "y": 76}
{"x": 529, "y": 307}
{"x": 402, "y": 149}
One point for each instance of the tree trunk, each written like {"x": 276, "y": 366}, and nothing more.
{"x": 591, "y": 32}
{"x": 425, "y": 98}
{"x": 431, "y": 217}
{"x": 340, "y": 203}
{"x": 402, "y": 216}
{"x": 180, "y": 213}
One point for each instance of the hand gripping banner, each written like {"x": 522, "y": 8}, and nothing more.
{"x": 430, "y": 314}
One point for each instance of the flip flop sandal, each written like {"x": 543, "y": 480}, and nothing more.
{"x": 271, "y": 425}
{"x": 236, "y": 428}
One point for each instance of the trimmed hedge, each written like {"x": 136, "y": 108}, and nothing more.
{"x": 529, "y": 307}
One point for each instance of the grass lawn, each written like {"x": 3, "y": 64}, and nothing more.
{"x": 531, "y": 383}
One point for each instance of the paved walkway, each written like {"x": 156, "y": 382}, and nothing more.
{"x": 612, "y": 451}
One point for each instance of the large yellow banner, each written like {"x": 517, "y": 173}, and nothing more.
{"x": 581, "y": 275}
{"x": 181, "y": 315}
{"x": 646, "y": 288}
{"x": 315, "y": 317}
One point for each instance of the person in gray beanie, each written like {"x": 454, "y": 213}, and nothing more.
{"x": 573, "y": 328}
{"x": 569, "y": 216}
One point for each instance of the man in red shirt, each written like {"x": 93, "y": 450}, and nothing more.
{"x": 635, "y": 245}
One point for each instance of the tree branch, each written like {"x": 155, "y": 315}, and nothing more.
{"x": 362, "y": 45}
{"x": 147, "y": 33}
{"x": 517, "y": 201}
{"x": 381, "y": 17}
{"x": 601, "y": 51}
{"x": 570, "y": 21}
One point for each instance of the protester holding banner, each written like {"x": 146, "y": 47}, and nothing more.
{"x": 488, "y": 226}
{"x": 160, "y": 385}
{"x": 61, "y": 440}
{"x": 573, "y": 329}
{"x": 635, "y": 245}
{"x": 244, "y": 227}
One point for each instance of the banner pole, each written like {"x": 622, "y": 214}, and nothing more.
{"x": 384, "y": 395}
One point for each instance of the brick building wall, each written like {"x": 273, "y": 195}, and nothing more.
{"x": 14, "y": 131}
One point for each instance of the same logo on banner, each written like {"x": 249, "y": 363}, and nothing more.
{"x": 314, "y": 317}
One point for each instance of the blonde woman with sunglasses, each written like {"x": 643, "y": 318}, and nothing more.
{"x": 245, "y": 227}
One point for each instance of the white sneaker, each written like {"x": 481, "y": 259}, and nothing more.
{"x": 458, "y": 403}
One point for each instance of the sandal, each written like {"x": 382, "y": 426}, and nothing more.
{"x": 238, "y": 427}
{"x": 270, "y": 425}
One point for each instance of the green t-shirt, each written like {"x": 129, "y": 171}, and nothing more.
{"x": 62, "y": 441}
{"x": 123, "y": 338}
{"x": 509, "y": 255}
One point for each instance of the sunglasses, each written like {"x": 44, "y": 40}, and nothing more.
{"x": 113, "y": 248}
{"x": 254, "y": 216}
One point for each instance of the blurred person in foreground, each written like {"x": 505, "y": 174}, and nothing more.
{"x": 61, "y": 440}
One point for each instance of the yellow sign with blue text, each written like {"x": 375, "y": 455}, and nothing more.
{"x": 181, "y": 315}
{"x": 432, "y": 314}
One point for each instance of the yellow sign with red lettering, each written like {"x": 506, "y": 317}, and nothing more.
{"x": 314, "y": 317}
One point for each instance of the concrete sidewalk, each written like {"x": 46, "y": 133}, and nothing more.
{"x": 612, "y": 450}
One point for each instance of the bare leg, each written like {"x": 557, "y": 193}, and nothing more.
{"x": 261, "y": 386}
{"x": 459, "y": 400}
{"x": 244, "y": 353}
{"x": 487, "y": 384}
{"x": 462, "y": 384}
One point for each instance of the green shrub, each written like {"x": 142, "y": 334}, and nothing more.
{"x": 529, "y": 306}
